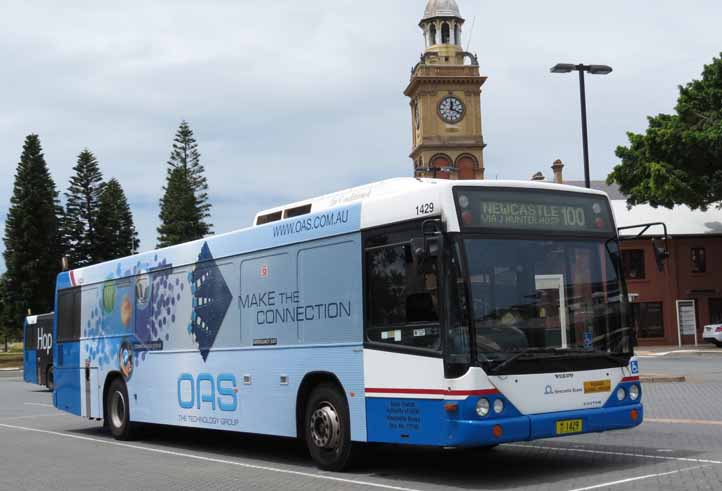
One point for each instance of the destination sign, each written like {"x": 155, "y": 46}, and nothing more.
{"x": 521, "y": 209}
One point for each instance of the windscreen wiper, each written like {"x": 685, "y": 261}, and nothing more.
{"x": 525, "y": 352}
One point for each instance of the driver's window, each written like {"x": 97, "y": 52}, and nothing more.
{"x": 403, "y": 298}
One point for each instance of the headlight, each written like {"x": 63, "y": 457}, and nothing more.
{"x": 498, "y": 406}
{"x": 634, "y": 392}
{"x": 621, "y": 394}
{"x": 482, "y": 407}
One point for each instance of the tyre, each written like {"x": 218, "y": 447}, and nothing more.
{"x": 327, "y": 429}
{"x": 117, "y": 411}
{"x": 49, "y": 382}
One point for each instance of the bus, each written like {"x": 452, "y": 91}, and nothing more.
{"x": 408, "y": 311}
{"x": 38, "y": 349}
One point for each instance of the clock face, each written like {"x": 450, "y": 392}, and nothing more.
{"x": 451, "y": 109}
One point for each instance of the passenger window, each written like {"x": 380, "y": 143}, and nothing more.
{"x": 31, "y": 336}
{"x": 403, "y": 298}
{"x": 69, "y": 315}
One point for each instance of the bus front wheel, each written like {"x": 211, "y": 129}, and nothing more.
{"x": 117, "y": 411}
{"x": 327, "y": 428}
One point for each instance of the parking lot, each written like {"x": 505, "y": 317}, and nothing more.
{"x": 678, "y": 447}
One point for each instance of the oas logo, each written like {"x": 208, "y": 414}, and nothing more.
{"x": 125, "y": 359}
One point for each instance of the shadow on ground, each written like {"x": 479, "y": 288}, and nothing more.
{"x": 501, "y": 467}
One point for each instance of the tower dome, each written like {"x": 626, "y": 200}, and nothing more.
{"x": 441, "y": 8}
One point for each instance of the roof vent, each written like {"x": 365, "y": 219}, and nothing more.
{"x": 270, "y": 217}
{"x": 297, "y": 211}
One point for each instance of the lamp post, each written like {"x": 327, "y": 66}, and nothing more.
{"x": 594, "y": 70}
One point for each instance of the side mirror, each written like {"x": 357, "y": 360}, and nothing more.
{"x": 661, "y": 254}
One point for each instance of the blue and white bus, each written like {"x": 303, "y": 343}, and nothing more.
{"x": 38, "y": 350}
{"x": 412, "y": 311}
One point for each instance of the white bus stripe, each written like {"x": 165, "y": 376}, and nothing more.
{"x": 209, "y": 459}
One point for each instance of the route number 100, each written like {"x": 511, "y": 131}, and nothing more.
{"x": 574, "y": 217}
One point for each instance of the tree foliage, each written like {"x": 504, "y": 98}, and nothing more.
{"x": 678, "y": 160}
{"x": 184, "y": 207}
{"x": 32, "y": 239}
{"x": 185, "y": 155}
{"x": 81, "y": 212}
{"x": 115, "y": 228}
{"x": 181, "y": 217}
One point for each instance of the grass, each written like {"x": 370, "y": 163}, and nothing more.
{"x": 8, "y": 360}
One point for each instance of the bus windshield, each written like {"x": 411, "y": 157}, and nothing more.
{"x": 546, "y": 296}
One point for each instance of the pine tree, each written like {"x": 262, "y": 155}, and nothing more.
{"x": 81, "y": 212}
{"x": 181, "y": 217}
{"x": 115, "y": 229}
{"x": 186, "y": 156}
{"x": 32, "y": 239}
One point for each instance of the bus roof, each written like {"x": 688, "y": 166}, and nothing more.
{"x": 379, "y": 203}
{"x": 400, "y": 186}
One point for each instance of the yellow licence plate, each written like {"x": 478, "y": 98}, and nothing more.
{"x": 567, "y": 426}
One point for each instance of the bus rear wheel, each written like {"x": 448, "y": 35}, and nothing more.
{"x": 327, "y": 429}
{"x": 117, "y": 411}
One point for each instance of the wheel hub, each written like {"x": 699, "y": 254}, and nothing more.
{"x": 326, "y": 427}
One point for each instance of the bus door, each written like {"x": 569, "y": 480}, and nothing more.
{"x": 552, "y": 306}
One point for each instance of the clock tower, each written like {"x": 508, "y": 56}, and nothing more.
{"x": 444, "y": 93}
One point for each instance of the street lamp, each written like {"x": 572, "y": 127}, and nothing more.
{"x": 594, "y": 70}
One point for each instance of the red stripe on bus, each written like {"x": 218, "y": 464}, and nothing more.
{"x": 631, "y": 379}
{"x": 72, "y": 278}
{"x": 440, "y": 392}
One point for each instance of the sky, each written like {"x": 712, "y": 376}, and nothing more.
{"x": 290, "y": 99}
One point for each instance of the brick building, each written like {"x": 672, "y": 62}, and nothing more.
{"x": 692, "y": 272}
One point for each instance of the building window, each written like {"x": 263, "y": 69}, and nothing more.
{"x": 715, "y": 310}
{"x": 699, "y": 263}
{"x": 633, "y": 264}
{"x": 445, "y": 33}
{"x": 648, "y": 320}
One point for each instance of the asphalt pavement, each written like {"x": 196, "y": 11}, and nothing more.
{"x": 678, "y": 447}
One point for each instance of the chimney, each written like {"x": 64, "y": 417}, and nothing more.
{"x": 538, "y": 177}
{"x": 557, "y": 167}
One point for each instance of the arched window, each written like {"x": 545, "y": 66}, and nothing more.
{"x": 432, "y": 35}
{"x": 457, "y": 34}
{"x": 466, "y": 165}
{"x": 445, "y": 33}
{"x": 440, "y": 166}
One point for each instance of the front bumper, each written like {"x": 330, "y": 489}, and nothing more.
{"x": 472, "y": 433}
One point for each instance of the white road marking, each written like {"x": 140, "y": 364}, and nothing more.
{"x": 684, "y": 421}
{"x": 652, "y": 354}
{"x": 209, "y": 459}
{"x": 608, "y": 452}
{"x": 2, "y": 418}
{"x": 639, "y": 478}
{"x": 37, "y": 404}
